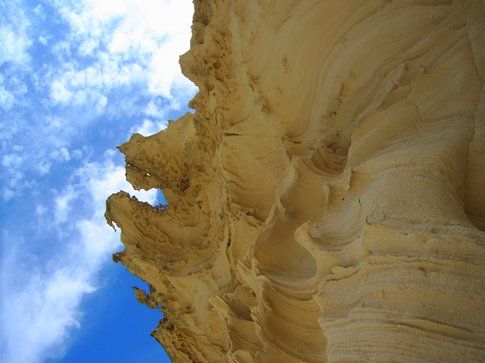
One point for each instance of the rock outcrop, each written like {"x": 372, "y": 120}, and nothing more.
{"x": 327, "y": 197}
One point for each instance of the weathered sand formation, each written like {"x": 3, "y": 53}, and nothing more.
{"x": 327, "y": 198}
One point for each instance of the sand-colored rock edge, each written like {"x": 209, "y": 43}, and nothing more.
{"x": 327, "y": 197}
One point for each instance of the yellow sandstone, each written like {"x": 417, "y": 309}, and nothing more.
{"x": 327, "y": 197}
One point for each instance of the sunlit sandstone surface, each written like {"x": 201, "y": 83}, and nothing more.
{"x": 327, "y": 197}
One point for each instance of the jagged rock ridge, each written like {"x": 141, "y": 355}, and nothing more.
{"x": 327, "y": 198}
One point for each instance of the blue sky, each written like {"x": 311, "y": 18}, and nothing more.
{"x": 76, "y": 79}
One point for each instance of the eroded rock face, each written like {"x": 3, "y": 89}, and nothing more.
{"x": 327, "y": 198}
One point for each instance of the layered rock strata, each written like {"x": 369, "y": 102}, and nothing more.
{"x": 327, "y": 197}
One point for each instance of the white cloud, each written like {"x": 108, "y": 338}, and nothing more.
{"x": 37, "y": 317}
{"x": 43, "y": 40}
{"x": 61, "y": 154}
{"x": 14, "y": 45}
{"x": 10, "y": 187}
{"x": 11, "y": 160}
{"x": 149, "y": 127}
{"x": 6, "y": 98}
{"x": 10, "y": 90}
{"x": 40, "y": 210}
{"x": 124, "y": 52}
{"x": 153, "y": 110}
{"x": 59, "y": 93}
{"x": 62, "y": 204}
{"x": 14, "y": 37}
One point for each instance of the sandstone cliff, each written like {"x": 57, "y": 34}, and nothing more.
{"x": 327, "y": 198}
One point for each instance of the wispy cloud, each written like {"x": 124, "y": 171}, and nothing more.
{"x": 149, "y": 127}
{"x": 36, "y": 317}
{"x": 14, "y": 33}
{"x": 120, "y": 51}
{"x": 63, "y": 203}
{"x": 41, "y": 300}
